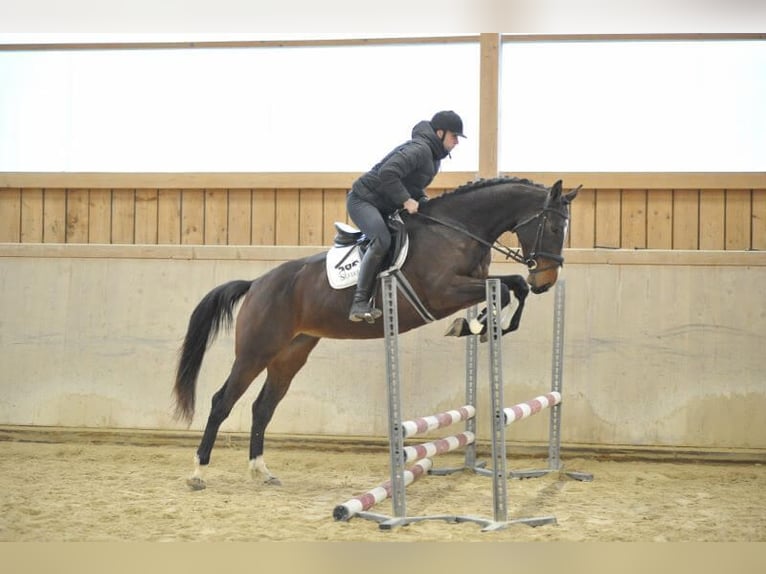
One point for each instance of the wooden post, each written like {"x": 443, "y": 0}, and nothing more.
{"x": 489, "y": 104}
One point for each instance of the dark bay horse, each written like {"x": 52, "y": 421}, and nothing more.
{"x": 288, "y": 309}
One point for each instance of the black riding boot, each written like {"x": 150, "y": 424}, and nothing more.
{"x": 362, "y": 307}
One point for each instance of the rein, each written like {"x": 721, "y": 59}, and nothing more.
{"x": 497, "y": 246}
{"x": 541, "y": 216}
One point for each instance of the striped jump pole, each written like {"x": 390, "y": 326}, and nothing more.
{"x": 422, "y": 425}
{"x": 532, "y": 407}
{"x": 440, "y": 446}
{"x": 359, "y": 504}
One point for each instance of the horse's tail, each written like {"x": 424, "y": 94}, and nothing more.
{"x": 213, "y": 313}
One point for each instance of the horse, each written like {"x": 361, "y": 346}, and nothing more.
{"x": 287, "y": 310}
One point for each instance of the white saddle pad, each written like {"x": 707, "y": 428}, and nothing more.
{"x": 342, "y": 275}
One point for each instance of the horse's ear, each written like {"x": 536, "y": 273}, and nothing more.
{"x": 556, "y": 191}
{"x": 568, "y": 197}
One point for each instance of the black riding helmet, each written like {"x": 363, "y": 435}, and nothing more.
{"x": 448, "y": 120}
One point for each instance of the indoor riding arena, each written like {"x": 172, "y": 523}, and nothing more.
{"x": 658, "y": 311}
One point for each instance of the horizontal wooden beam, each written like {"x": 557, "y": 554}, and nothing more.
{"x": 168, "y": 180}
{"x": 306, "y": 43}
{"x": 264, "y": 180}
{"x": 677, "y": 37}
{"x": 676, "y": 257}
{"x": 651, "y": 180}
{"x": 373, "y": 41}
{"x": 285, "y": 253}
{"x": 343, "y": 180}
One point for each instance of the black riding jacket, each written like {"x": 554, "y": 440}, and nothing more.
{"x": 404, "y": 173}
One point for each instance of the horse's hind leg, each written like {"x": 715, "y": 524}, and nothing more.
{"x": 242, "y": 374}
{"x": 280, "y": 373}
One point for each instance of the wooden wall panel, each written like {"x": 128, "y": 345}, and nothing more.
{"x": 659, "y": 222}
{"x": 10, "y": 215}
{"x": 311, "y": 217}
{"x": 100, "y": 216}
{"x": 288, "y": 217}
{"x": 582, "y": 228}
{"x": 123, "y": 216}
{"x": 758, "y": 224}
{"x": 608, "y": 218}
{"x": 712, "y": 219}
{"x": 633, "y": 220}
{"x": 738, "y": 219}
{"x": 169, "y": 216}
{"x": 685, "y": 219}
{"x": 54, "y": 216}
{"x": 240, "y": 217}
{"x": 192, "y": 217}
{"x": 216, "y": 217}
{"x": 264, "y": 217}
{"x": 629, "y": 218}
{"x": 334, "y": 210}
{"x": 31, "y": 216}
{"x": 146, "y": 217}
{"x": 77, "y": 209}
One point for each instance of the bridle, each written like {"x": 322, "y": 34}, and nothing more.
{"x": 541, "y": 217}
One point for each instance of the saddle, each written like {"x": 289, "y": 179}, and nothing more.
{"x": 349, "y": 246}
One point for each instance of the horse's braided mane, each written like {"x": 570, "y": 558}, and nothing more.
{"x": 482, "y": 183}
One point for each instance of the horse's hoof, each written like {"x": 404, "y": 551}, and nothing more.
{"x": 273, "y": 481}
{"x": 477, "y": 327}
{"x": 196, "y": 483}
{"x": 456, "y": 329}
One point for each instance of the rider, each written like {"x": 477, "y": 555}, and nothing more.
{"x": 398, "y": 181}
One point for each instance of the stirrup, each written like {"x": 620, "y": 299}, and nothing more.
{"x": 364, "y": 310}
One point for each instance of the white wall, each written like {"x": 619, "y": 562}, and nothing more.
{"x": 656, "y": 353}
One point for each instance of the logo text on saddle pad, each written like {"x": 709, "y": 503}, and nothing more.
{"x": 343, "y": 264}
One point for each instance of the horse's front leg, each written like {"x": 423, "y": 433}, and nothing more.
{"x": 478, "y": 326}
{"x": 520, "y": 288}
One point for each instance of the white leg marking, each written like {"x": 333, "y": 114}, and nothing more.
{"x": 196, "y": 481}
{"x": 258, "y": 468}
{"x": 475, "y": 326}
{"x": 199, "y": 470}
